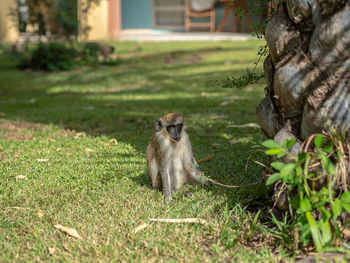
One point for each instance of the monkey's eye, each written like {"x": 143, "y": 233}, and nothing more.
{"x": 179, "y": 127}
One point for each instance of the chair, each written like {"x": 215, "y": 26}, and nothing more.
{"x": 199, "y": 9}
{"x": 235, "y": 20}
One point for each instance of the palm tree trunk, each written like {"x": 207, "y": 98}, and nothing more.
{"x": 308, "y": 68}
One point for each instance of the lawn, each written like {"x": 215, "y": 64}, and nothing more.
{"x": 72, "y": 152}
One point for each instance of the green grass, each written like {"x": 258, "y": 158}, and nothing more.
{"x": 101, "y": 188}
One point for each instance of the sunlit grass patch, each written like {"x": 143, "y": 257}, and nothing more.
{"x": 82, "y": 154}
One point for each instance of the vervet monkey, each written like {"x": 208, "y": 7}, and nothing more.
{"x": 101, "y": 49}
{"x": 170, "y": 159}
{"x": 169, "y": 156}
{"x": 105, "y": 50}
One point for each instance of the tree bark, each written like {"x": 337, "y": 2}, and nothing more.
{"x": 308, "y": 68}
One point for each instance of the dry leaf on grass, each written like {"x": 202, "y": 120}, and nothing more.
{"x": 208, "y": 158}
{"x": 21, "y": 176}
{"x": 184, "y": 220}
{"x": 251, "y": 125}
{"x": 40, "y": 214}
{"x": 42, "y": 160}
{"x": 234, "y": 141}
{"x": 346, "y": 232}
{"x": 79, "y": 135}
{"x": 139, "y": 228}
{"x": 227, "y": 102}
{"x": 113, "y": 141}
{"x": 88, "y": 150}
{"x": 52, "y": 250}
{"x": 70, "y": 231}
{"x": 218, "y": 117}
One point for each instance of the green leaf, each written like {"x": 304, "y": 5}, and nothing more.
{"x": 281, "y": 154}
{"x": 287, "y": 169}
{"x": 310, "y": 175}
{"x": 277, "y": 165}
{"x": 315, "y": 232}
{"x": 327, "y": 164}
{"x": 289, "y": 143}
{"x": 305, "y": 205}
{"x": 296, "y": 201}
{"x": 328, "y": 148}
{"x": 345, "y": 201}
{"x": 274, "y": 151}
{"x": 345, "y": 197}
{"x": 326, "y": 231}
{"x": 339, "y": 155}
{"x": 346, "y": 207}
{"x": 271, "y": 144}
{"x": 336, "y": 208}
{"x": 325, "y": 213}
{"x": 301, "y": 157}
{"x": 318, "y": 141}
{"x": 273, "y": 178}
{"x": 304, "y": 229}
{"x": 255, "y": 220}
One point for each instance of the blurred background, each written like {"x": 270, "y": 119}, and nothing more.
{"x": 93, "y": 20}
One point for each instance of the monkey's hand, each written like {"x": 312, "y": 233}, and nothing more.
{"x": 194, "y": 165}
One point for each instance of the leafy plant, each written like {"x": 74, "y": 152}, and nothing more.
{"x": 311, "y": 179}
{"x": 57, "y": 56}
{"x": 259, "y": 9}
{"x": 51, "y": 57}
{"x": 90, "y": 53}
{"x": 242, "y": 81}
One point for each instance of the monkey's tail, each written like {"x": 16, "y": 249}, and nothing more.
{"x": 229, "y": 186}
{"x": 212, "y": 181}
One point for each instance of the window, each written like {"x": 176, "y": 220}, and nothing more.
{"x": 23, "y": 14}
{"x": 168, "y": 14}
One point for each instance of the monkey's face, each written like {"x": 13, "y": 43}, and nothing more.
{"x": 174, "y": 130}
{"x": 172, "y": 125}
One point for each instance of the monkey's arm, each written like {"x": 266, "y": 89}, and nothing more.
{"x": 165, "y": 174}
{"x": 195, "y": 174}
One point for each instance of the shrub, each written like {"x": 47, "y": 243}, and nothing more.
{"x": 56, "y": 56}
{"x": 51, "y": 57}
{"x": 316, "y": 182}
{"x": 90, "y": 53}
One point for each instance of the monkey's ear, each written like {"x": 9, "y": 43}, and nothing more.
{"x": 158, "y": 125}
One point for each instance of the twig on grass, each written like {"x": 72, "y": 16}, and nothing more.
{"x": 140, "y": 227}
{"x": 183, "y": 220}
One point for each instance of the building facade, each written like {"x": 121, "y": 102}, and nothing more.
{"x": 110, "y": 18}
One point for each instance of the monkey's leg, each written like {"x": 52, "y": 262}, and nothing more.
{"x": 153, "y": 170}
